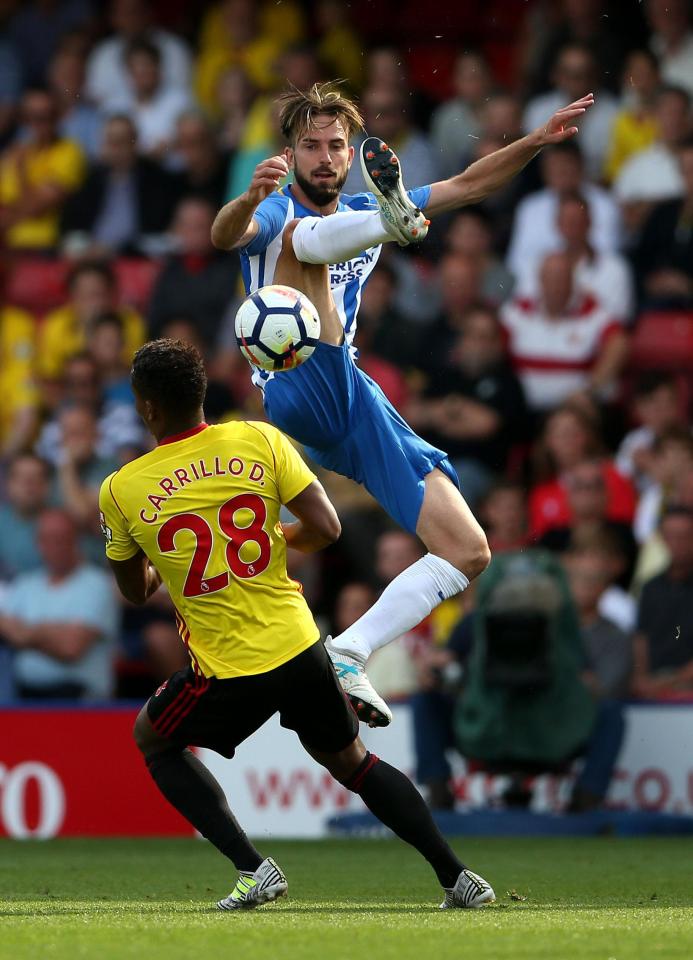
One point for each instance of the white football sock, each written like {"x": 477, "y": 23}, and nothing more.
{"x": 339, "y": 236}
{"x": 402, "y": 605}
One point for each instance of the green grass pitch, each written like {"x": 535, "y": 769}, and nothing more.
{"x": 602, "y": 899}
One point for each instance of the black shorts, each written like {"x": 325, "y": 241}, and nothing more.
{"x": 221, "y": 714}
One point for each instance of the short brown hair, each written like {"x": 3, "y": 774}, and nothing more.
{"x": 299, "y": 108}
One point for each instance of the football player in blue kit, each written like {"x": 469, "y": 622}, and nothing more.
{"x": 310, "y": 236}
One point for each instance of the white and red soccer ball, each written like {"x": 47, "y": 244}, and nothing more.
{"x": 277, "y": 328}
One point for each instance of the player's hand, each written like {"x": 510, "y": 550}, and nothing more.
{"x": 266, "y": 178}
{"x": 560, "y": 127}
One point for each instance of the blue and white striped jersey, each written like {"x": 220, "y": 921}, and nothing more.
{"x": 259, "y": 257}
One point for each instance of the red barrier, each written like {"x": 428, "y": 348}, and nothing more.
{"x": 76, "y": 772}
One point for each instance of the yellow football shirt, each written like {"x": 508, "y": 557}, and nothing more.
{"x": 61, "y": 163}
{"x": 62, "y": 336}
{"x": 204, "y": 507}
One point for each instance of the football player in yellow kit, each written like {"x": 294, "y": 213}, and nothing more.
{"x": 200, "y": 513}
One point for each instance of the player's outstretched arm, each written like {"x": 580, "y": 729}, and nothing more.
{"x": 492, "y": 172}
{"x": 137, "y": 579}
{"x": 318, "y": 524}
{"x": 234, "y": 225}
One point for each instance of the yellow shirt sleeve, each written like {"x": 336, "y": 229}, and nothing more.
{"x": 293, "y": 475}
{"x": 114, "y": 525}
{"x": 68, "y": 165}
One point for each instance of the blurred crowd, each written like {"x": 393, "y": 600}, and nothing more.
{"x": 543, "y": 337}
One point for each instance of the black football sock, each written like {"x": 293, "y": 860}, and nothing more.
{"x": 397, "y": 803}
{"x": 188, "y": 785}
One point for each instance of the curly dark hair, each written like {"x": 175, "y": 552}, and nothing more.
{"x": 170, "y": 373}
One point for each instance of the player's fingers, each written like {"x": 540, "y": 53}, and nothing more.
{"x": 274, "y": 163}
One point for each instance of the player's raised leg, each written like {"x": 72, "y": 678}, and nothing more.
{"x": 189, "y": 786}
{"x": 458, "y": 552}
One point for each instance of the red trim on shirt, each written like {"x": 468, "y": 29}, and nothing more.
{"x": 175, "y": 437}
{"x": 551, "y": 364}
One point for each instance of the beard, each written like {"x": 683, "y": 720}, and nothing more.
{"x": 321, "y": 195}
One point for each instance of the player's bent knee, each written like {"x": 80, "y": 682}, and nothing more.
{"x": 288, "y": 236}
{"x": 145, "y": 736}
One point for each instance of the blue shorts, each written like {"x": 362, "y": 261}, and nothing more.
{"x": 347, "y": 424}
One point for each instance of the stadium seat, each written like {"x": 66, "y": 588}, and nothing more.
{"x": 36, "y": 285}
{"x": 663, "y": 340}
{"x": 136, "y": 279}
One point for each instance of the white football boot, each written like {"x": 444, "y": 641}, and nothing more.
{"x": 383, "y": 176}
{"x": 266, "y": 884}
{"x": 470, "y": 892}
{"x": 368, "y": 704}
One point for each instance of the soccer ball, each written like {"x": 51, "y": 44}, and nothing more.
{"x": 277, "y": 328}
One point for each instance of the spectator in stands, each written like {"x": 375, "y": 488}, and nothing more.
{"x": 664, "y": 642}
{"x": 36, "y": 29}
{"x": 131, "y": 20}
{"x": 235, "y": 34}
{"x": 653, "y": 175}
{"x": 61, "y": 620}
{"x": 605, "y": 550}
{"x": 387, "y": 70}
{"x": 80, "y": 471}
{"x": 106, "y": 346}
{"x": 606, "y": 276}
{"x": 501, "y": 118}
{"x": 635, "y": 125}
{"x": 353, "y": 600}
{"x": 574, "y": 72}
{"x": 657, "y": 406}
{"x": 18, "y": 412}
{"x": 564, "y": 342}
{"x": 204, "y": 167}
{"x": 26, "y": 494}
{"x": 392, "y": 337}
{"x": 80, "y": 121}
{"x": 663, "y": 256}
{"x": 672, "y": 40}
{"x": 197, "y": 280}
{"x": 36, "y": 177}
{"x": 535, "y": 230}
{"x": 587, "y": 500}
{"x": 386, "y": 112}
{"x": 153, "y": 107}
{"x": 120, "y": 430}
{"x": 552, "y": 27}
{"x": 671, "y": 462}
{"x": 607, "y": 673}
{"x": 126, "y": 200}
{"x": 92, "y": 290}
{"x": 235, "y": 98}
{"x": 474, "y": 408}
{"x": 471, "y": 234}
{"x": 503, "y": 514}
{"x": 570, "y": 435}
{"x": 460, "y": 287}
{"x": 456, "y": 123}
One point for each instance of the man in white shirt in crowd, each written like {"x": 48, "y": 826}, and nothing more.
{"x": 535, "y": 229}
{"x": 153, "y": 106}
{"x": 61, "y": 620}
{"x": 563, "y": 342}
{"x": 131, "y": 20}
{"x": 575, "y": 70}
{"x": 606, "y": 275}
{"x": 654, "y": 174}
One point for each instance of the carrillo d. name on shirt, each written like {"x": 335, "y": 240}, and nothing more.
{"x": 198, "y": 470}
